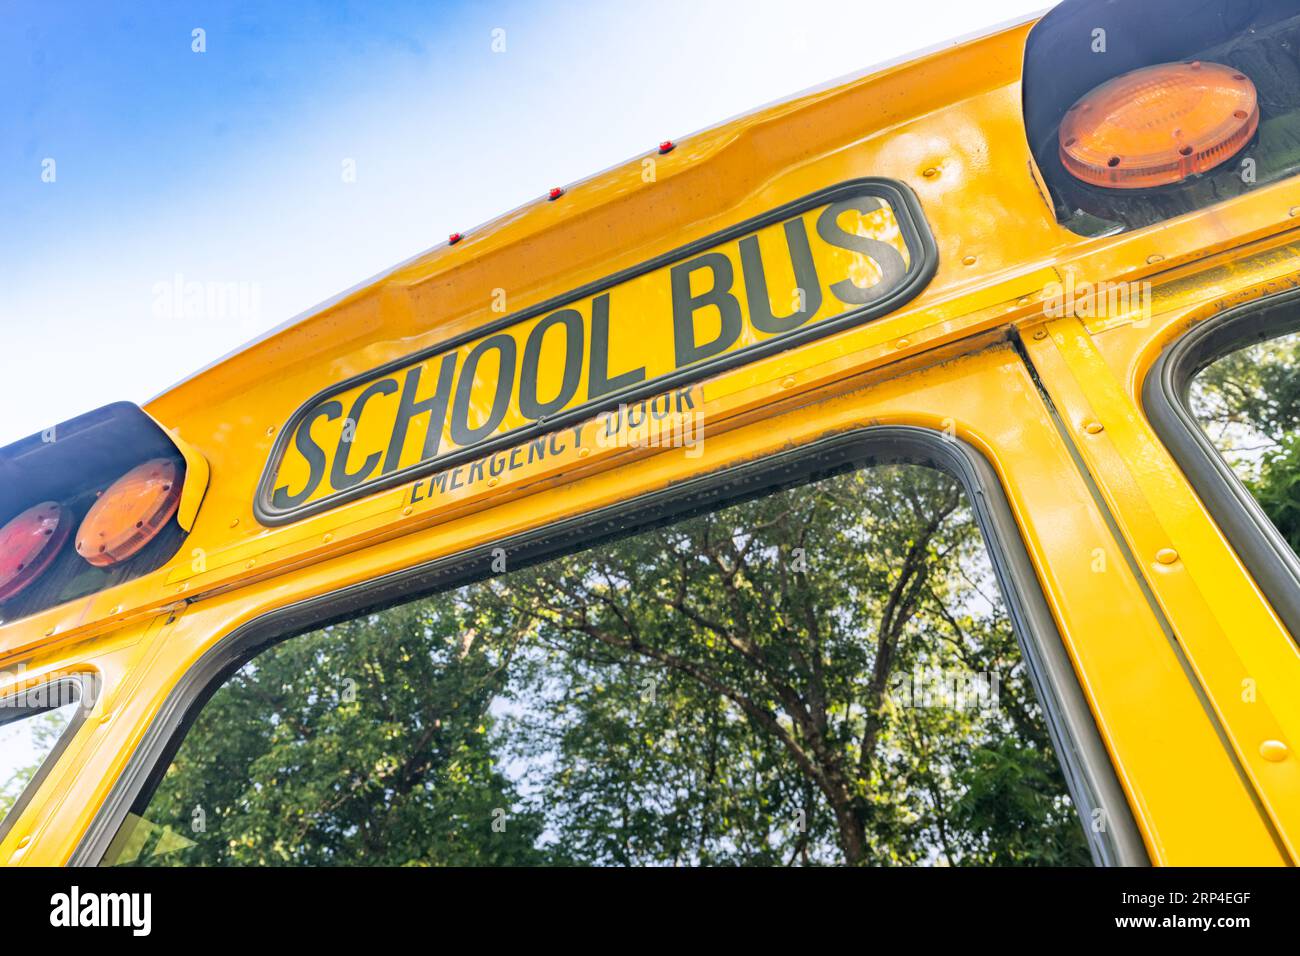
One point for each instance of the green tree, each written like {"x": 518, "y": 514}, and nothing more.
{"x": 1278, "y": 489}
{"x": 366, "y": 742}
{"x": 770, "y": 635}
{"x": 44, "y": 729}
{"x": 1248, "y": 403}
{"x": 736, "y": 688}
{"x": 1249, "y": 400}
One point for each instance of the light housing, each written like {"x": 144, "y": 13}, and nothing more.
{"x": 130, "y": 512}
{"x": 1159, "y": 125}
{"x": 29, "y": 543}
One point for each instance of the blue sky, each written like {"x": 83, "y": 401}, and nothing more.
{"x": 228, "y": 166}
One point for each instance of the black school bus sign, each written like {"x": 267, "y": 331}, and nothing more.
{"x": 839, "y": 257}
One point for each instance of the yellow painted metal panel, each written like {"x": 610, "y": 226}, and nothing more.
{"x": 1244, "y": 659}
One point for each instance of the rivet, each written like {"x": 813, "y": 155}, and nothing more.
{"x": 788, "y": 383}
{"x": 902, "y": 344}
{"x": 1154, "y": 258}
{"x": 406, "y": 510}
{"x": 250, "y": 564}
{"x": 1094, "y": 428}
{"x": 270, "y": 430}
{"x": 50, "y": 632}
{"x": 234, "y": 522}
{"x": 1166, "y": 555}
{"x": 106, "y": 718}
{"x": 584, "y": 452}
{"x": 1040, "y": 334}
{"x": 327, "y": 538}
{"x": 968, "y": 261}
{"x": 181, "y": 588}
{"x": 24, "y": 842}
{"x": 493, "y": 482}
{"x": 930, "y": 172}
{"x": 1293, "y": 211}
{"x": 115, "y": 609}
{"x": 1273, "y": 750}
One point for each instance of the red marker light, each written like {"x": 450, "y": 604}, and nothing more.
{"x": 667, "y": 146}
{"x": 29, "y": 543}
{"x": 556, "y": 193}
{"x": 130, "y": 513}
{"x": 454, "y": 238}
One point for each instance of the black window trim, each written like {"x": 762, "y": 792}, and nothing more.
{"x": 1165, "y": 398}
{"x": 15, "y": 707}
{"x": 1090, "y": 777}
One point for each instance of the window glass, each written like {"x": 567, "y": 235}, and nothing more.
{"x": 1248, "y": 404}
{"x": 31, "y": 726}
{"x": 825, "y": 675}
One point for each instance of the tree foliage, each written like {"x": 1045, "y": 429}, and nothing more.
{"x": 42, "y": 732}
{"x": 363, "y": 743}
{"x": 1248, "y": 402}
{"x": 737, "y": 688}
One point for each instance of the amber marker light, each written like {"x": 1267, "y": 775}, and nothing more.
{"x": 1159, "y": 125}
{"x": 29, "y": 542}
{"x": 130, "y": 513}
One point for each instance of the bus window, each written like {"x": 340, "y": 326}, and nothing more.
{"x": 33, "y": 725}
{"x": 823, "y": 675}
{"x": 1248, "y": 405}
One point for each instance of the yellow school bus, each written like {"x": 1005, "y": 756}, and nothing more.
{"x": 894, "y": 475}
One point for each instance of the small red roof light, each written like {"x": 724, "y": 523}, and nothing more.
{"x": 667, "y": 146}
{"x": 555, "y": 193}
{"x": 29, "y": 543}
{"x": 454, "y": 238}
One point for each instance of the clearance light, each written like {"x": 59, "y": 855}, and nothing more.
{"x": 667, "y": 146}
{"x": 454, "y": 238}
{"x": 1159, "y": 125}
{"x": 29, "y": 543}
{"x": 555, "y": 193}
{"x": 130, "y": 513}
